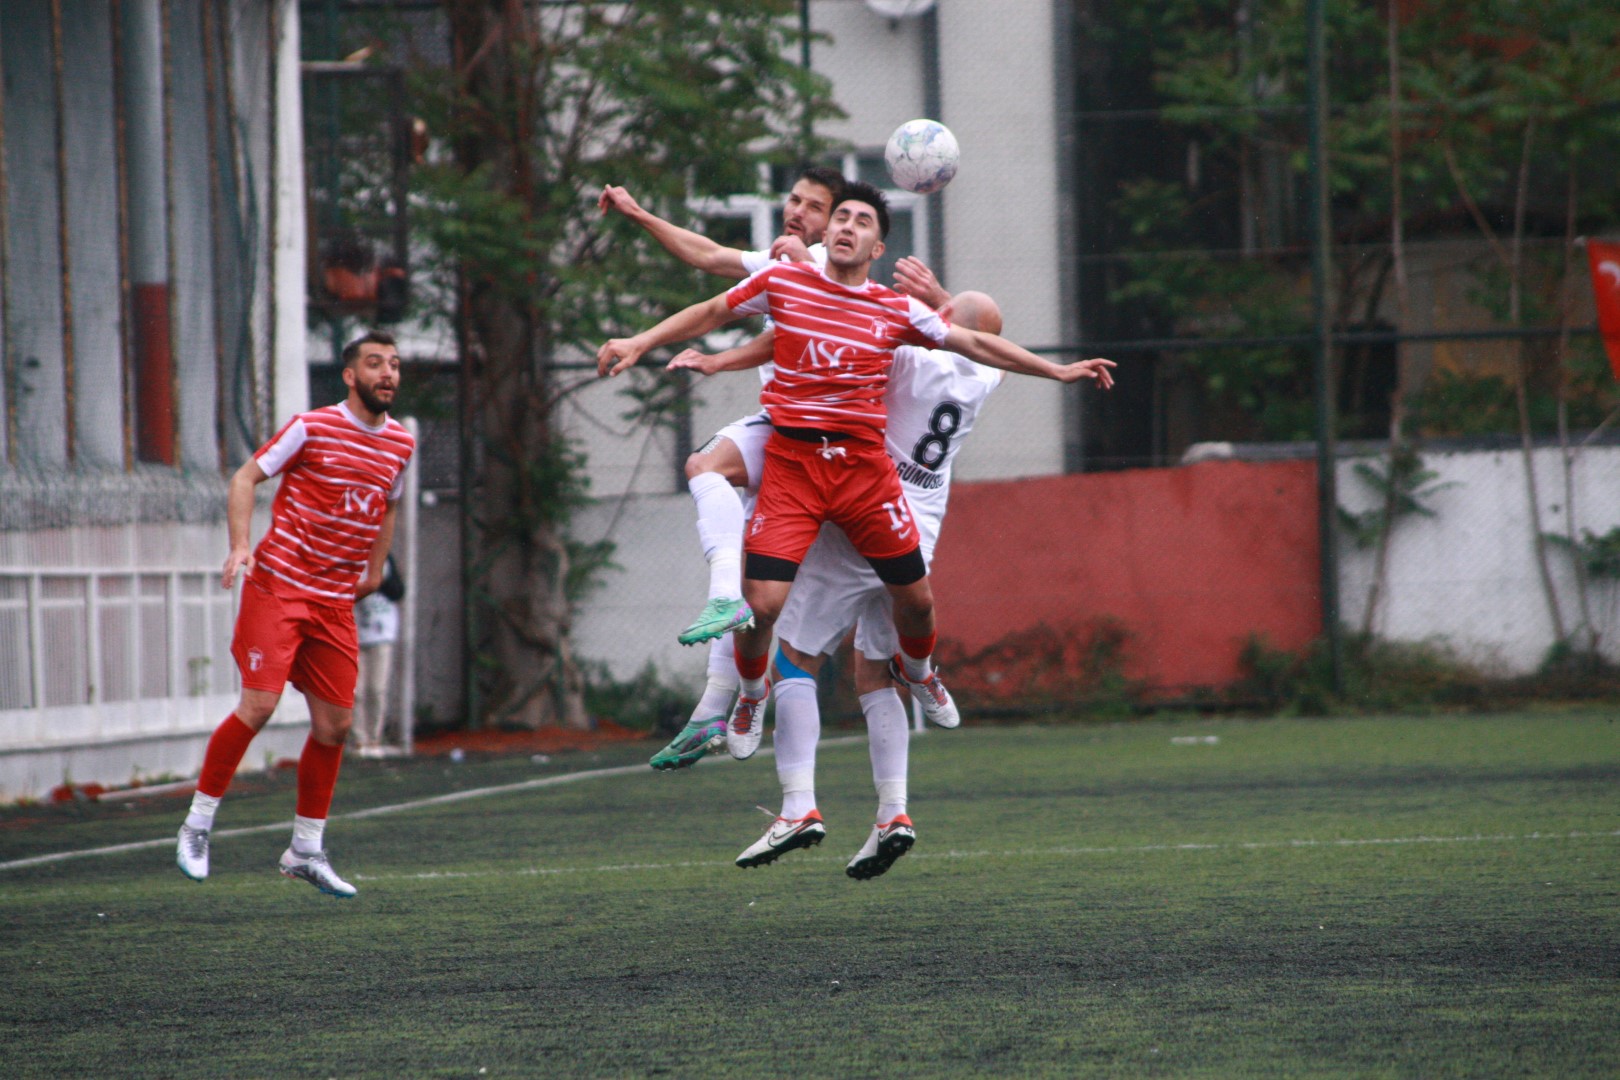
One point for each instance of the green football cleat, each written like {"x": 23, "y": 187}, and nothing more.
{"x": 719, "y": 617}
{"x": 697, "y": 738}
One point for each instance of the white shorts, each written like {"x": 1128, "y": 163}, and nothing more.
{"x": 837, "y": 589}
{"x": 749, "y": 435}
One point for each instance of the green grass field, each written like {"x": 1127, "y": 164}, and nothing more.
{"x": 1413, "y": 897}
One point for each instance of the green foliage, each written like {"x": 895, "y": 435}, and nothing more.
{"x": 1600, "y": 555}
{"x": 1400, "y": 488}
{"x": 1378, "y": 676}
{"x": 648, "y": 702}
{"x": 543, "y": 106}
{"x": 1476, "y": 79}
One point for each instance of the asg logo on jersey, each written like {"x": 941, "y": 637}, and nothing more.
{"x": 356, "y": 501}
{"x": 822, "y": 354}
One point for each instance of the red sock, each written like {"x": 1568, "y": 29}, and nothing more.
{"x": 753, "y": 667}
{"x": 317, "y": 778}
{"x": 918, "y": 648}
{"x": 226, "y": 748}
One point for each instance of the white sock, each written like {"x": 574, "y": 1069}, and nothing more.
{"x": 798, "y": 724}
{"x": 798, "y": 792}
{"x": 889, "y": 743}
{"x": 916, "y": 670}
{"x": 202, "y": 812}
{"x": 307, "y": 834}
{"x": 718, "y": 694}
{"x": 891, "y": 800}
{"x": 720, "y": 531}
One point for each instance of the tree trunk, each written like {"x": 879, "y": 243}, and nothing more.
{"x": 518, "y": 558}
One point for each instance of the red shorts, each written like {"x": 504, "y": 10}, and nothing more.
{"x": 282, "y": 639}
{"x": 850, "y": 483}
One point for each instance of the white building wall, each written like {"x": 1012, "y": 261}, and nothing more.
{"x": 998, "y": 89}
{"x": 1467, "y": 577}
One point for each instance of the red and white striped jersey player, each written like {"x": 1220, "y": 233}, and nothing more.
{"x": 933, "y": 402}
{"x": 331, "y": 525}
{"x": 836, "y": 332}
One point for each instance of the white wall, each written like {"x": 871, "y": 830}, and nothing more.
{"x": 1467, "y": 577}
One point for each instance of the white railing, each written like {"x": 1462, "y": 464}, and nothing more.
{"x": 97, "y": 654}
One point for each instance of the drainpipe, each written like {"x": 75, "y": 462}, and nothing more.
{"x": 289, "y": 364}
{"x": 145, "y": 158}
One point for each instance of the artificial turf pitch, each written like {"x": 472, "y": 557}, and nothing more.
{"x": 1413, "y": 897}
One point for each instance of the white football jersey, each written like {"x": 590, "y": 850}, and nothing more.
{"x": 755, "y": 261}
{"x": 933, "y": 399}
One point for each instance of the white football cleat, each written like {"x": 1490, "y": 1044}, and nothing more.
{"x": 784, "y": 835}
{"x": 937, "y": 706}
{"x": 747, "y": 725}
{"x": 192, "y": 853}
{"x": 316, "y": 869}
{"x": 886, "y": 844}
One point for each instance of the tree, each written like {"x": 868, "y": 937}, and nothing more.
{"x": 1490, "y": 110}
{"x": 544, "y": 103}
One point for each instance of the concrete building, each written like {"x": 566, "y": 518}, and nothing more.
{"x": 152, "y": 333}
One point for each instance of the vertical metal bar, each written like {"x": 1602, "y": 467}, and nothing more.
{"x": 92, "y": 626}
{"x": 36, "y": 641}
{"x": 174, "y": 389}
{"x": 934, "y": 109}
{"x": 8, "y": 397}
{"x": 1326, "y": 451}
{"x": 1072, "y": 314}
{"x": 63, "y": 241}
{"x": 126, "y": 369}
{"x": 178, "y": 684}
{"x": 806, "y": 123}
{"x": 216, "y": 198}
{"x": 410, "y": 528}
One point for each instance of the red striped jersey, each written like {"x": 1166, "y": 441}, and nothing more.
{"x": 337, "y": 477}
{"x": 834, "y": 345}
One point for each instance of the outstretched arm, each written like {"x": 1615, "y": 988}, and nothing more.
{"x": 998, "y": 352}
{"x": 693, "y": 249}
{"x": 620, "y": 354}
{"x": 752, "y": 355}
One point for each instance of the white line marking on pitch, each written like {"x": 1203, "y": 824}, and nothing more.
{"x": 391, "y": 808}
{"x": 1123, "y": 849}
{"x": 630, "y": 770}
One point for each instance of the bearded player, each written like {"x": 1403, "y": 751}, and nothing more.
{"x": 331, "y": 525}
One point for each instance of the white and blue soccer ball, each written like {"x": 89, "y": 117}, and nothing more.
{"x": 922, "y": 156}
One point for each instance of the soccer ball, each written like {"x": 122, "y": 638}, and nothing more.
{"x": 922, "y": 156}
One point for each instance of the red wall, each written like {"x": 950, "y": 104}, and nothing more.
{"x": 1184, "y": 564}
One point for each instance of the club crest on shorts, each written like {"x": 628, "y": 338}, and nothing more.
{"x": 255, "y": 659}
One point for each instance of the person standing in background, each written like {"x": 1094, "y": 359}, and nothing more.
{"x": 376, "y": 619}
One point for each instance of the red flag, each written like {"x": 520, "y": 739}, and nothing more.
{"x": 1605, "y": 262}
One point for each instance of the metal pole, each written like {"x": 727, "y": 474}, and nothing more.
{"x": 806, "y": 126}
{"x": 410, "y": 527}
{"x": 1326, "y": 456}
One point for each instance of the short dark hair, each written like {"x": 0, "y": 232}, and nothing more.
{"x": 351, "y": 351}
{"x": 860, "y": 191}
{"x": 825, "y": 175}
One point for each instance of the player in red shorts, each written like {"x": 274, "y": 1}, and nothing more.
{"x": 330, "y": 528}
{"x": 836, "y": 332}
